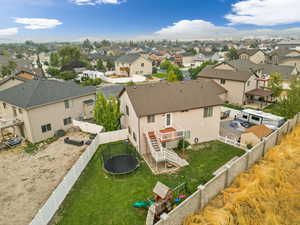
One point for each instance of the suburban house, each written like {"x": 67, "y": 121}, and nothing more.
{"x": 187, "y": 59}
{"x": 16, "y": 79}
{"x": 290, "y": 44}
{"x": 133, "y": 64}
{"x": 37, "y": 108}
{"x": 255, "y": 134}
{"x": 285, "y": 57}
{"x": 157, "y": 115}
{"x": 237, "y": 83}
{"x": 254, "y": 55}
{"x": 263, "y": 71}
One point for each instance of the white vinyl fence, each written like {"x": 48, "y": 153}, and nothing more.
{"x": 48, "y": 210}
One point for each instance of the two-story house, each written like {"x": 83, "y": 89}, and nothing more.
{"x": 38, "y": 108}
{"x": 254, "y": 55}
{"x": 157, "y": 115}
{"x": 237, "y": 82}
{"x": 133, "y": 64}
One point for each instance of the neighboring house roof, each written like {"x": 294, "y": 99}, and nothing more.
{"x": 186, "y": 54}
{"x": 247, "y": 65}
{"x": 259, "y": 92}
{"x": 111, "y": 91}
{"x": 282, "y": 52}
{"x": 128, "y": 58}
{"x": 259, "y": 131}
{"x": 248, "y": 51}
{"x": 37, "y": 92}
{"x": 164, "y": 97}
{"x": 18, "y": 76}
{"x": 209, "y": 72}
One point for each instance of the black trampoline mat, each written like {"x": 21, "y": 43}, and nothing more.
{"x": 121, "y": 164}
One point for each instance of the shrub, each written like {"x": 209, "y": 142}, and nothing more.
{"x": 183, "y": 144}
{"x": 31, "y": 148}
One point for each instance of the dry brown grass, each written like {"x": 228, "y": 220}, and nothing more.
{"x": 267, "y": 194}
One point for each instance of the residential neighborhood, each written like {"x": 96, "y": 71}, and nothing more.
{"x": 135, "y": 113}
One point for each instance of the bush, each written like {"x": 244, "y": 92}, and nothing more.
{"x": 249, "y": 146}
{"x": 183, "y": 144}
{"x": 31, "y": 148}
{"x": 91, "y": 82}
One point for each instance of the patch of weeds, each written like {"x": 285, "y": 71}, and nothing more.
{"x": 31, "y": 148}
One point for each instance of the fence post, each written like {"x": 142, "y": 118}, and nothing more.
{"x": 227, "y": 175}
{"x": 248, "y": 157}
{"x": 264, "y": 148}
{"x": 201, "y": 189}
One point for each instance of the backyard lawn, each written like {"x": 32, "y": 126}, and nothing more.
{"x": 160, "y": 75}
{"x": 101, "y": 199}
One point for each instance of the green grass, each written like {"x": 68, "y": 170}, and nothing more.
{"x": 160, "y": 75}
{"x": 233, "y": 106}
{"x": 101, "y": 199}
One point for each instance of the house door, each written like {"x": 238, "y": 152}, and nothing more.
{"x": 168, "y": 120}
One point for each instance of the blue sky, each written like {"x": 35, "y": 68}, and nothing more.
{"x": 45, "y": 20}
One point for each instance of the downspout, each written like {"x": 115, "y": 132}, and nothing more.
{"x": 244, "y": 93}
{"x": 139, "y": 135}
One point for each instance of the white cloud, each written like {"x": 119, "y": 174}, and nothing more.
{"x": 200, "y": 29}
{"x": 8, "y": 31}
{"x": 265, "y": 12}
{"x": 38, "y": 23}
{"x": 97, "y": 2}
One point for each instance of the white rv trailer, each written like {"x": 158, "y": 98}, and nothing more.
{"x": 258, "y": 117}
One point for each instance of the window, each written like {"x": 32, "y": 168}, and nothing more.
{"x": 248, "y": 83}
{"x": 67, "y": 121}
{"x": 245, "y": 117}
{"x": 151, "y": 119}
{"x": 168, "y": 120}
{"x": 134, "y": 136}
{"x": 4, "y": 105}
{"x": 222, "y": 81}
{"x": 143, "y": 64}
{"x": 208, "y": 112}
{"x": 256, "y": 118}
{"x": 67, "y": 104}
{"x": 127, "y": 110}
{"x": 46, "y": 128}
{"x": 20, "y": 111}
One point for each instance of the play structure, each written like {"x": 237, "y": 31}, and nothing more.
{"x": 165, "y": 199}
{"x": 119, "y": 162}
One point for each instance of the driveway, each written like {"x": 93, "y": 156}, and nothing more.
{"x": 228, "y": 131}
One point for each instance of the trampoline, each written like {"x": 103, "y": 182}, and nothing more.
{"x": 116, "y": 162}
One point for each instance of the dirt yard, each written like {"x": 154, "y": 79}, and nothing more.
{"x": 27, "y": 180}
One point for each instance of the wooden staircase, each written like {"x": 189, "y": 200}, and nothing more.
{"x": 154, "y": 142}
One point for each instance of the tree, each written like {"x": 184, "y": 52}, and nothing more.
{"x": 67, "y": 75}
{"x": 275, "y": 84}
{"x": 70, "y": 57}
{"x": 232, "y": 54}
{"x": 110, "y": 65}
{"x": 171, "y": 76}
{"x": 12, "y": 65}
{"x": 178, "y": 72}
{"x": 54, "y": 59}
{"x": 87, "y": 44}
{"x": 107, "y": 112}
{"x": 195, "y": 71}
{"x": 165, "y": 65}
{"x": 5, "y": 71}
{"x": 100, "y": 65}
{"x": 53, "y": 72}
{"x": 225, "y": 48}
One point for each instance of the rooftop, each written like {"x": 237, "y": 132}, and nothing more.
{"x": 37, "y": 92}
{"x": 163, "y": 97}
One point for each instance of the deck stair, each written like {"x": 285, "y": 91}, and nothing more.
{"x": 154, "y": 142}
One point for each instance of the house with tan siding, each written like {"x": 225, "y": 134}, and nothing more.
{"x": 254, "y": 55}
{"x": 133, "y": 64}
{"x": 236, "y": 82}
{"x": 285, "y": 57}
{"x": 37, "y": 108}
{"x": 158, "y": 115}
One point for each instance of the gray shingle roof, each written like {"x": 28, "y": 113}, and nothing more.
{"x": 164, "y": 97}
{"x": 39, "y": 92}
{"x": 128, "y": 58}
{"x": 209, "y": 72}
